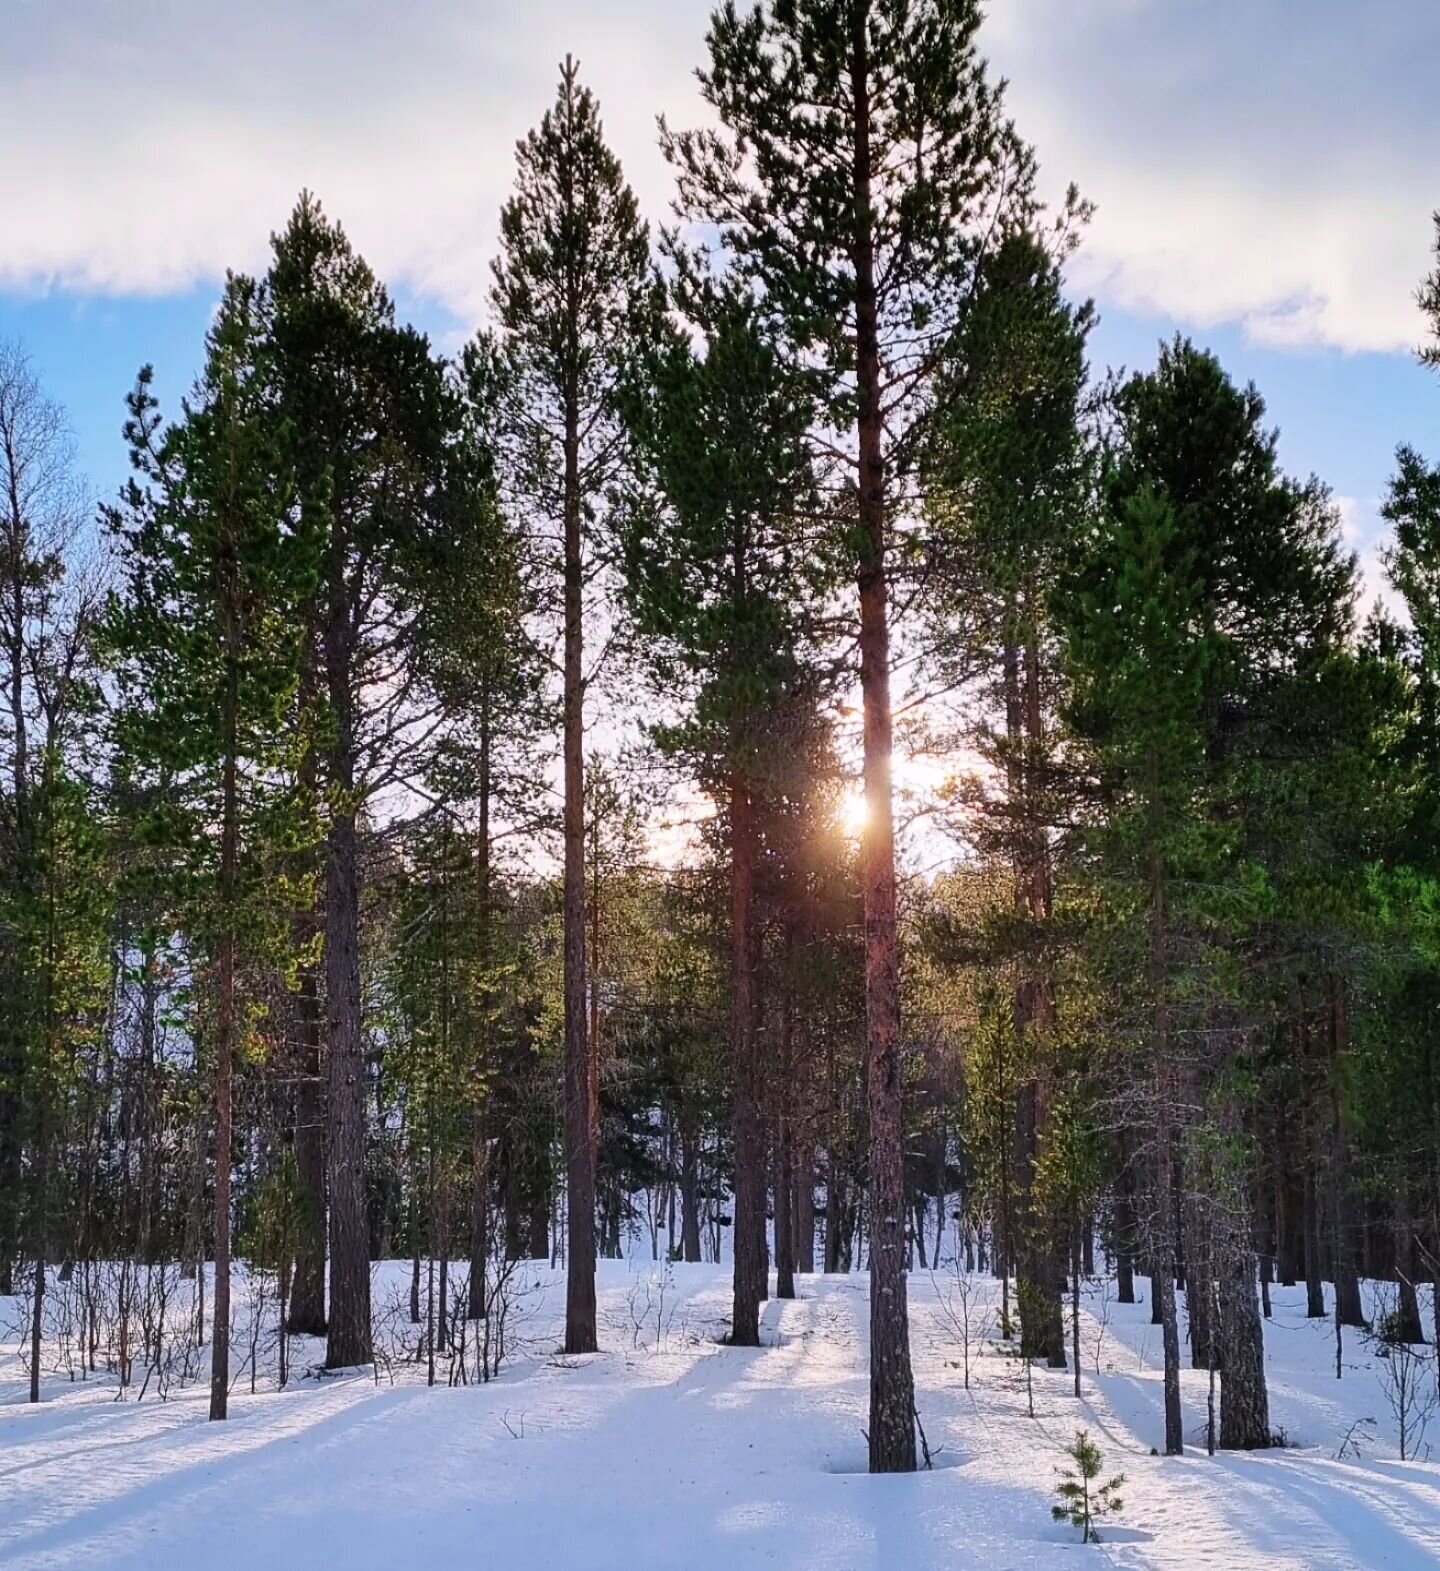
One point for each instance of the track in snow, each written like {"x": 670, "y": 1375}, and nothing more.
{"x": 692, "y": 1456}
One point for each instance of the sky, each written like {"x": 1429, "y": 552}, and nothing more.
{"x": 1263, "y": 173}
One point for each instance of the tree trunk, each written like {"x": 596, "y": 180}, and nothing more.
{"x": 1264, "y": 1240}
{"x": 803, "y": 1193}
{"x": 1407, "y": 1300}
{"x": 1124, "y": 1221}
{"x": 348, "y": 1340}
{"x": 225, "y": 1002}
{"x": 1288, "y": 1241}
{"x": 442, "y": 1229}
{"x": 749, "y": 1223}
{"x": 1076, "y": 1262}
{"x": 479, "y": 1139}
{"x": 1244, "y": 1404}
{"x": 1181, "y": 1244}
{"x": 1124, "y": 1278}
{"x": 834, "y": 1205}
{"x": 784, "y": 1214}
{"x": 37, "y": 1323}
{"x": 1170, "y": 1342}
{"x": 307, "y": 1297}
{"x": 611, "y": 1216}
{"x": 1435, "y": 1315}
{"x": 1200, "y": 1297}
{"x": 39, "y": 1241}
{"x": 892, "y": 1391}
{"x": 414, "y": 1221}
{"x": 12, "y": 1059}
{"x": 1349, "y": 1309}
{"x": 689, "y": 1195}
{"x": 479, "y": 1216}
{"x": 224, "y": 1139}
{"x": 784, "y": 1156}
{"x": 539, "y": 1244}
{"x": 13, "y": 1030}
{"x": 1314, "y": 1280}
{"x": 581, "y": 1335}
{"x": 942, "y": 1192}
{"x": 1037, "y": 1249}
{"x": 1165, "y": 1199}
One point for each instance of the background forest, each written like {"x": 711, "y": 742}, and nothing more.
{"x": 767, "y": 755}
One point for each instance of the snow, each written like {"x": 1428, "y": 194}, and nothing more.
{"x": 670, "y": 1452}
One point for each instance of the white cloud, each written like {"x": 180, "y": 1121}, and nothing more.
{"x": 1262, "y": 161}
{"x": 163, "y": 142}
{"x": 1267, "y": 162}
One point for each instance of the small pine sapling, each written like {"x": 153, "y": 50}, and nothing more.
{"x": 1082, "y": 1500}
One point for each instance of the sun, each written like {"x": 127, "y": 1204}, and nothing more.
{"x": 854, "y": 812}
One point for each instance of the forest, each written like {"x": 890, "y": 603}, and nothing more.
{"x": 766, "y": 756}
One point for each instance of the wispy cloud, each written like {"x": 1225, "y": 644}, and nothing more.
{"x": 162, "y": 142}
{"x": 1267, "y": 162}
{"x": 1264, "y": 162}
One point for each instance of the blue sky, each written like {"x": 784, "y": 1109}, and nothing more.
{"x": 1264, "y": 174}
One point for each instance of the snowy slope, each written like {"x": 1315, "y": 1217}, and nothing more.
{"x": 670, "y": 1451}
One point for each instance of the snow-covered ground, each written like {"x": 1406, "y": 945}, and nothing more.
{"x": 670, "y": 1452}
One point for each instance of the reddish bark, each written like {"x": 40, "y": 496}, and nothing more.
{"x": 892, "y": 1390}
{"x": 749, "y": 1141}
{"x": 581, "y": 1335}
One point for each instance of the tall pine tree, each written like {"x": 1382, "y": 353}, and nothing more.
{"x": 716, "y": 567}
{"x": 571, "y": 281}
{"x": 371, "y": 422}
{"x": 863, "y": 159}
{"x": 208, "y": 637}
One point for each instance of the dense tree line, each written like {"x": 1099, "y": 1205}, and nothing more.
{"x": 345, "y": 911}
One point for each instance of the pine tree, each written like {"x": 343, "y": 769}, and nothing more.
{"x": 44, "y": 626}
{"x": 371, "y": 422}
{"x": 207, "y": 636}
{"x": 571, "y": 282}
{"x": 1066, "y": 1181}
{"x": 1275, "y": 600}
{"x": 715, "y": 577}
{"x": 54, "y": 854}
{"x": 59, "y": 929}
{"x": 1399, "y": 1071}
{"x": 1008, "y": 499}
{"x": 487, "y": 774}
{"x": 863, "y": 155}
{"x": 1138, "y": 658}
{"x": 995, "y": 1072}
{"x": 1081, "y": 1498}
